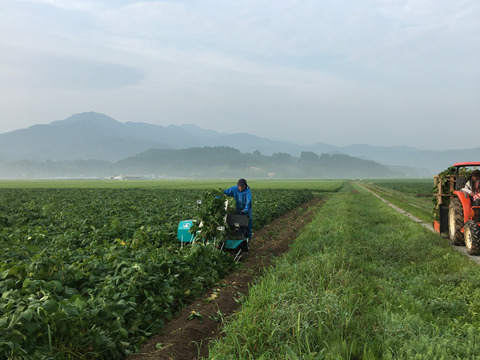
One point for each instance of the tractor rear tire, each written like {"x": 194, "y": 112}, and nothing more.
{"x": 472, "y": 237}
{"x": 455, "y": 222}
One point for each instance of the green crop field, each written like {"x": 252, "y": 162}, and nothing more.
{"x": 92, "y": 269}
{"x": 314, "y": 185}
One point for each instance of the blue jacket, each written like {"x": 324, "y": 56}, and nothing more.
{"x": 242, "y": 198}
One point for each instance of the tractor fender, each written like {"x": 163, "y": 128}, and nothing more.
{"x": 466, "y": 205}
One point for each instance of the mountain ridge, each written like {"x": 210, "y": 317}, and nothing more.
{"x": 92, "y": 135}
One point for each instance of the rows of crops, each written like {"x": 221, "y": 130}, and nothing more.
{"x": 91, "y": 273}
{"x": 418, "y": 187}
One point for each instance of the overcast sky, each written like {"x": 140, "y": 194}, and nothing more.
{"x": 377, "y": 72}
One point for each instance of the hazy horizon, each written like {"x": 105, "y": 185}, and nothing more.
{"x": 229, "y": 133}
{"x": 382, "y": 73}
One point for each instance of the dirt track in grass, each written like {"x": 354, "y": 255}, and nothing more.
{"x": 187, "y": 339}
{"x": 460, "y": 249}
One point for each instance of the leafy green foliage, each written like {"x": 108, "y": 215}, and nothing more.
{"x": 91, "y": 273}
{"x": 442, "y": 186}
{"x": 444, "y": 182}
{"x": 210, "y": 219}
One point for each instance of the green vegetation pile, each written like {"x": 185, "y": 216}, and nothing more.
{"x": 445, "y": 184}
{"x": 360, "y": 282}
{"x": 210, "y": 217}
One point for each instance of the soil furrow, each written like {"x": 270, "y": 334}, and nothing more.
{"x": 187, "y": 335}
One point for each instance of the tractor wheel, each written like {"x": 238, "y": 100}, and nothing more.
{"x": 472, "y": 238}
{"x": 455, "y": 222}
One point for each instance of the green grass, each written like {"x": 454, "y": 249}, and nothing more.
{"x": 314, "y": 185}
{"x": 414, "y": 196}
{"x": 361, "y": 282}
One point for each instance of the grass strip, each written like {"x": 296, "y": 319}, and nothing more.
{"x": 361, "y": 282}
{"x": 420, "y": 207}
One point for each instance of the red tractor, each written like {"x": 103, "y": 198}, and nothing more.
{"x": 458, "y": 215}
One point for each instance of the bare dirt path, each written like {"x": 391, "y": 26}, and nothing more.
{"x": 460, "y": 249}
{"x": 186, "y": 337}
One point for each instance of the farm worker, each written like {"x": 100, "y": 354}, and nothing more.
{"x": 472, "y": 188}
{"x": 243, "y": 199}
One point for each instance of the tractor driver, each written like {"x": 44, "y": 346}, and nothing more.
{"x": 243, "y": 199}
{"x": 472, "y": 188}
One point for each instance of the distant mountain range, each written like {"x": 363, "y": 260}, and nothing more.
{"x": 94, "y": 136}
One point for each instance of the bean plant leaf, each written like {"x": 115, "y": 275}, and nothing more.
{"x": 210, "y": 221}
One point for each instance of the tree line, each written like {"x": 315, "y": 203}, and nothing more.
{"x": 205, "y": 162}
